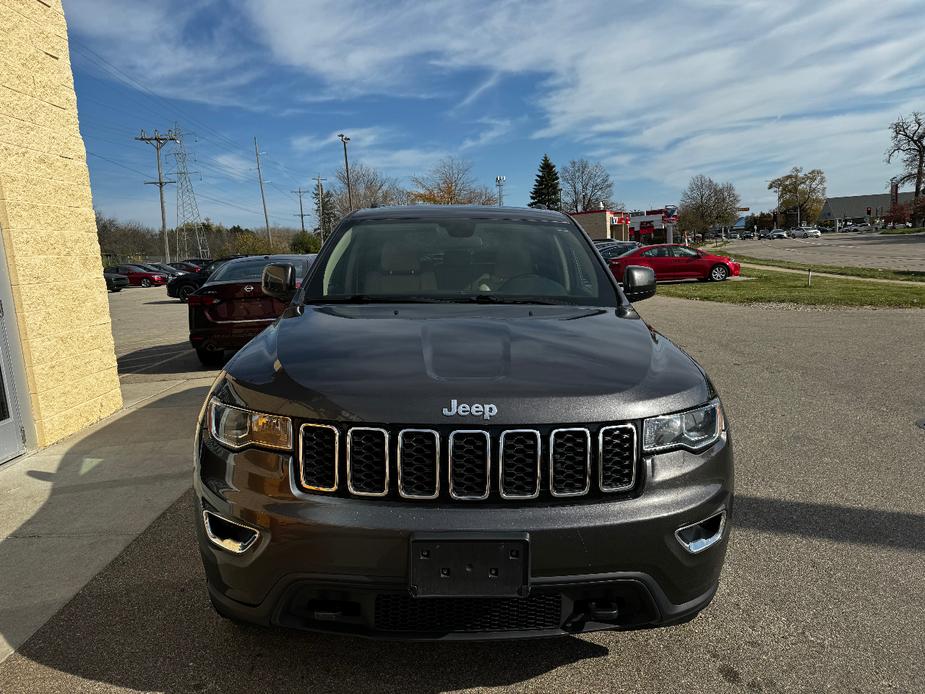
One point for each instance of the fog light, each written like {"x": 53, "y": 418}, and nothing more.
{"x": 697, "y": 537}
{"x": 227, "y": 534}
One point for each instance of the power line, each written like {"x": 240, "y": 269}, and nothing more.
{"x": 113, "y": 161}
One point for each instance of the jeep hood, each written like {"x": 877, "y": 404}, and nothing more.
{"x": 405, "y": 363}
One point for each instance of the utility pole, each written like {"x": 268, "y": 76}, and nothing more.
{"x": 158, "y": 141}
{"x": 345, "y": 140}
{"x": 319, "y": 180}
{"x": 499, "y": 182}
{"x": 263, "y": 197}
{"x": 301, "y": 214}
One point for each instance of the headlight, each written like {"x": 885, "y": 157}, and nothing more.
{"x": 236, "y": 428}
{"x": 694, "y": 429}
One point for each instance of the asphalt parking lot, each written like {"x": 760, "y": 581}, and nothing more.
{"x": 822, "y": 591}
{"x": 887, "y": 252}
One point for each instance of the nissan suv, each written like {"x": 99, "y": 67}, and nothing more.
{"x": 460, "y": 428}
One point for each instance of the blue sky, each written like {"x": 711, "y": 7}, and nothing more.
{"x": 740, "y": 90}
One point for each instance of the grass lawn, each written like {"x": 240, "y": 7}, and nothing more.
{"x": 890, "y": 232}
{"x": 907, "y": 275}
{"x": 783, "y": 287}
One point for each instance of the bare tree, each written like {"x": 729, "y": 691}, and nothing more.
{"x": 450, "y": 182}
{"x": 585, "y": 186}
{"x": 706, "y": 204}
{"x": 370, "y": 187}
{"x": 907, "y": 143}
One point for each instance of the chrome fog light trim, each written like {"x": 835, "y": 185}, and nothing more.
{"x": 700, "y": 536}
{"x": 235, "y": 537}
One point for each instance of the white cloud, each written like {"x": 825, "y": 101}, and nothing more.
{"x": 727, "y": 86}
{"x": 149, "y": 44}
{"x": 495, "y": 129}
{"x": 359, "y": 137}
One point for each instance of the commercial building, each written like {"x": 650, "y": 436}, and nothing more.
{"x": 57, "y": 361}
{"x": 604, "y": 224}
{"x": 853, "y": 208}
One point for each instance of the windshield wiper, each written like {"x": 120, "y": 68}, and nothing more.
{"x": 494, "y": 299}
{"x": 377, "y": 299}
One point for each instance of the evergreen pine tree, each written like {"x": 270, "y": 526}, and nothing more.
{"x": 326, "y": 214}
{"x": 546, "y": 190}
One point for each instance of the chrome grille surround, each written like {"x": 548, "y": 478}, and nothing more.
{"x": 401, "y": 441}
{"x": 336, "y": 462}
{"x": 539, "y": 462}
{"x": 385, "y": 454}
{"x": 552, "y": 461}
{"x": 461, "y": 432}
{"x": 425, "y": 473}
{"x": 600, "y": 458}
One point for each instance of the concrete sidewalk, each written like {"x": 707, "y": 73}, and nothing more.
{"x": 792, "y": 271}
{"x": 68, "y": 510}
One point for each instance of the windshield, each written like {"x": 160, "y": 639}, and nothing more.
{"x": 490, "y": 260}
{"x": 251, "y": 269}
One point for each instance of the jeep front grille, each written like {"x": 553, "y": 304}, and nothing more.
{"x": 467, "y": 465}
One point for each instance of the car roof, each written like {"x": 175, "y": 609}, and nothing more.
{"x": 457, "y": 211}
{"x": 272, "y": 258}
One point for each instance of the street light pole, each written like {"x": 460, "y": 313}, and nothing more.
{"x": 345, "y": 140}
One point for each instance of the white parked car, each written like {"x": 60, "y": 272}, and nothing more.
{"x": 807, "y": 232}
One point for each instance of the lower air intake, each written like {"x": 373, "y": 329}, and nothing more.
{"x": 453, "y": 615}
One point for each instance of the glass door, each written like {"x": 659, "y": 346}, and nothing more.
{"x": 11, "y": 436}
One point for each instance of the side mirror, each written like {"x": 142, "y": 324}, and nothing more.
{"x": 638, "y": 282}
{"x": 278, "y": 281}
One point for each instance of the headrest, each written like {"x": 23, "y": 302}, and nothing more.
{"x": 400, "y": 258}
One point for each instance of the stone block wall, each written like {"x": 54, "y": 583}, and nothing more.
{"x": 48, "y": 228}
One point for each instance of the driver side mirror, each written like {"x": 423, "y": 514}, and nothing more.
{"x": 638, "y": 282}
{"x": 278, "y": 281}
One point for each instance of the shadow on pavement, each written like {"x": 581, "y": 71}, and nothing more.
{"x": 178, "y": 358}
{"x": 145, "y": 622}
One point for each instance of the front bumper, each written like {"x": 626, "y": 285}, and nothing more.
{"x": 342, "y": 564}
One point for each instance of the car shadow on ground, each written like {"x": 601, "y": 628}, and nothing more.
{"x": 145, "y": 621}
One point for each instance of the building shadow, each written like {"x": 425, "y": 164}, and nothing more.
{"x": 176, "y": 358}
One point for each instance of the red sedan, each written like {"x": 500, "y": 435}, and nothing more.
{"x": 139, "y": 276}
{"x": 676, "y": 262}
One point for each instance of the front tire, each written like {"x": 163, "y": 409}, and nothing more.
{"x": 210, "y": 357}
{"x": 116, "y": 289}
{"x": 719, "y": 273}
{"x": 145, "y": 282}
{"x": 805, "y": 236}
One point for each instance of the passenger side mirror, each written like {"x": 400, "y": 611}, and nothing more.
{"x": 278, "y": 281}
{"x": 638, "y": 282}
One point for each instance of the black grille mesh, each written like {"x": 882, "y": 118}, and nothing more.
{"x": 469, "y": 469}
{"x": 618, "y": 458}
{"x": 570, "y": 462}
{"x": 368, "y": 461}
{"x": 519, "y": 452}
{"x": 319, "y": 455}
{"x": 396, "y": 612}
{"x": 418, "y": 452}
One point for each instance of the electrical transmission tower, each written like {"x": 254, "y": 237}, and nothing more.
{"x": 188, "y": 220}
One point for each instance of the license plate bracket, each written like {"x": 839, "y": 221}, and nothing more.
{"x": 451, "y": 565}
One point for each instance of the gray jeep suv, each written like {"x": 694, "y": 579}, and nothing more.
{"x": 460, "y": 428}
